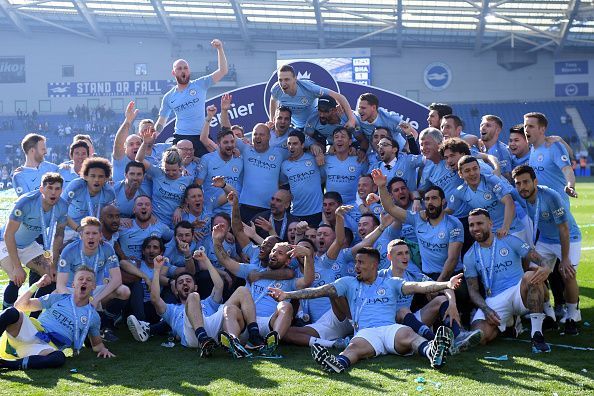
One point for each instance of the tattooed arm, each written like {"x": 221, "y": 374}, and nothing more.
{"x": 312, "y": 292}
{"x": 475, "y": 296}
{"x": 431, "y": 287}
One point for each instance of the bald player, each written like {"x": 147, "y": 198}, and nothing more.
{"x": 187, "y": 100}
{"x": 125, "y": 145}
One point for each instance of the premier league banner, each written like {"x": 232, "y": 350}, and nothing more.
{"x": 12, "y": 69}
{"x": 108, "y": 88}
{"x": 250, "y": 104}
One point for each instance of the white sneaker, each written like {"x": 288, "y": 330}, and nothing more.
{"x": 138, "y": 328}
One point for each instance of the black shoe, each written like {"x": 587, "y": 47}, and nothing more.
{"x": 207, "y": 346}
{"x": 549, "y": 324}
{"x": 440, "y": 346}
{"x": 255, "y": 342}
{"x": 538, "y": 343}
{"x": 571, "y": 327}
{"x": 324, "y": 358}
{"x": 107, "y": 335}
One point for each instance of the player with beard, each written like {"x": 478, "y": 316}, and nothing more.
{"x": 140, "y": 298}
{"x": 559, "y": 237}
{"x": 518, "y": 146}
{"x": 126, "y": 145}
{"x": 187, "y": 100}
{"x": 143, "y": 226}
{"x": 110, "y": 224}
{"x": 373, "y": 303}
{"x": 489, "y": 192}
{"x": 88, "y": 194}
{"x": 509, "y": 290}
{"x": 439, "y": 235}
{"x": 180, "y": 248}
{"x": 78, "y": 152}
{"x": 341, "y": 169}
{"x": 396, "y": 164}
{"x": 169, "y": 183}
{"x": 273, "y": 319}
{"x": 275, "y": 222}
{"x": 436, "y": 112}
{"x": 127, "y": 190}
{"x": 28, "y": 177}
{"x": 304, "y": 179}
{"x": 300, "y": 96}
{"x": 373, "y": 157}
{"x": 35, "y": 213}
{"x": 66, "y": 321}
{"x": 195, "y": 212}
{"x": 490, "y": 127}
{"x": 220, "y": 163}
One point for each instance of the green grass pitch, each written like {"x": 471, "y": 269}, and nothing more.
{"x": 150, "y": 369}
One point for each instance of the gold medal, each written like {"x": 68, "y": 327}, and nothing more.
{"x": 47, "y": 254}
{"x": 489, "y": 292}
{"x": 305, "y": 318}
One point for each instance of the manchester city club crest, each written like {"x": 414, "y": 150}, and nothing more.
{"x": 487, "y": 196}
{"x": 540, "y": 158}
{"x": 304, "y": 100}
{"x": 317, "y": 276}
{"x": 352, "y": 169}
{"x": 277, "y": 285}
{"x": 308, "y": 163}
{"x": 235, "y": 169}
{"x": 399, "y": 173}
{"x": 84, "y": 319}
{"x": 441, "y": 235}
{"x": 19, "y": 189}
{"x": 62, "y": 263}
{"x": 503, "y": 252}
{"x": 381, "y": 291}
{"x": 335, "y": 267}
{"x": 71, "y": 194}
{"x": 182, "y": 188}
{"x": 271, "y": 158}
{"x": 192, "y": 92}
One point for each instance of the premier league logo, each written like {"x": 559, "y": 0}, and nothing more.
{"x": 545, "y": 215}
{"x": 317, "y": 276}
{"x": 381, "y": 291}
{"x": 441, "y": 235}
{"x": 71, "y": 194}
{"x": 564, "y": 158}
{"x": 19, "y": 190}
{"x": 62, "y": 263}
{"x": 308, "y": 163}
{"x": 18, "y": 213}
{"x": 503, "y": 252}
{"x": 487, "y": 196}
{"x": 192, "y": 92}
{"x": 155, "y": 233}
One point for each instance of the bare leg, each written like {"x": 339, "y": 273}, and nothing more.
{"x": 358, "y": 349}
{"x": 490, "y": 331}
{"x": 194, "y": 311}
{"x": 282, "y": 318}
{"x": 300, "y": 335}
{"x": 233, "y": 322}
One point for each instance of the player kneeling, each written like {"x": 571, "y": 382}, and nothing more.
{"x": 65, "y": 322}
{"x": 373, "y": 302}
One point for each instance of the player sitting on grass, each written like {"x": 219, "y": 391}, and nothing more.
{"x": 373, "y": 302}
{"x": 509, "y": 290}
{"x": 65, "y": 322}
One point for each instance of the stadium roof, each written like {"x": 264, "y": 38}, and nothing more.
{"x": 550, "y": 25}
